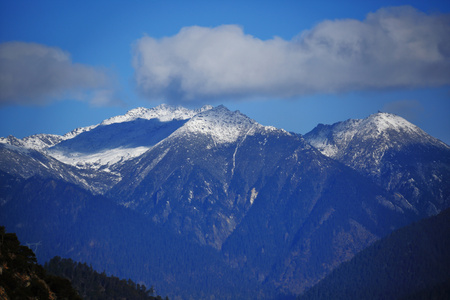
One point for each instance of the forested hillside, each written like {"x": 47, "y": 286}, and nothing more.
{"x": 411, "y": 263}
{"x": 21, "y": 277}
{"x": 92, "y": 285}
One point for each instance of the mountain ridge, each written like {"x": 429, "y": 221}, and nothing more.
{"x": 393, "y": 152}
{"x": 269, "y": 202}
{"x": 377, "y": 125}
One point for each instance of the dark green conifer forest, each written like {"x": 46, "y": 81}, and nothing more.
{"x": 411, "y": 263}
{"x": 21, "y": 277}
{"x": 92, "y": 285}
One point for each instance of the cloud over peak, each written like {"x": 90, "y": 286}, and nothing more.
{"x": 33, "y": 74}
{"x": 392, "y": 48}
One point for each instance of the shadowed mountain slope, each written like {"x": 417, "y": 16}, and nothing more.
{"x": 411, "y": 263}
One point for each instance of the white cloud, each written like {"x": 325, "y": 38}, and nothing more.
{"x": 37, "y": 74}
{"x": 392, "y": 48}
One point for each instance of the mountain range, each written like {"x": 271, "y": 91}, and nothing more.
{"x": 210, "y": 202}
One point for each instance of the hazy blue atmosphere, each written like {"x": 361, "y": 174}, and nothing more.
{"x": 290, "y": 64}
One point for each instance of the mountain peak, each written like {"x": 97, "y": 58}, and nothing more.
{"x": 382, "y": 122}
{"x": 363, "y": 143}
{"x": 223, "y": 125}
{"x": 386, "y": 129}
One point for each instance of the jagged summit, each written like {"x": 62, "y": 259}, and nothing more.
{"x": 36, "y": 141}
{"x": 11, "y": 140}
{"x": 163, "y": 113}
{"x": 77, "y": 131}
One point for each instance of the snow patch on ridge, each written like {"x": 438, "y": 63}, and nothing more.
{"x": 99, "y": 159}
{"x": 15, "y": 148}
{"x": 41, "y": 141}
{"x": 253, "y": 196}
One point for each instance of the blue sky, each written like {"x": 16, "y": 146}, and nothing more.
{"x": 289, "y": 64}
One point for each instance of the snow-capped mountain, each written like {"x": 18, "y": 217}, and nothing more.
{"x": 198, "y": 163}
{"x": 271, "y": 203}
{"x": 114, "y": 140}
{"x": 395, "y": 153}
{"x": 377, "y": 134}
{"x": 122, "y": 137}
{"x": 256, "y": 193}
{"x": 220, "y": 124}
